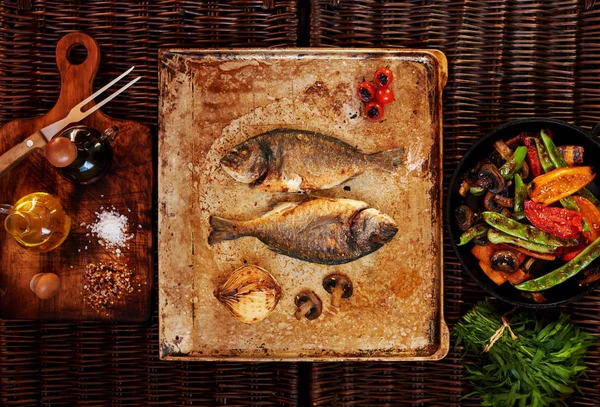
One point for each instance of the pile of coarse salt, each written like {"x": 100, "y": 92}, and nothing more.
{"x": 111, "y": 229}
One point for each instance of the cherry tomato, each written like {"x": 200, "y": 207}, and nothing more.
{"x": 366, "y": 91}
{"x": 374, "y": 111}
{"x": 384, "y": 76}
{"x": 384, "y": 96}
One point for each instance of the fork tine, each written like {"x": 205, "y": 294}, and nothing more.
{"x": 102, "y": 89}
{"x": 108, "y": 99}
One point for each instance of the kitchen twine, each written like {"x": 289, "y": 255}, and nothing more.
{"x": 500, "y": 331}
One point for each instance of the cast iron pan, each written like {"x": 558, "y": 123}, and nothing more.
{"x": 563, "y": 133}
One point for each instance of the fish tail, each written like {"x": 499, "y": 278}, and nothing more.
{"x": 222, "y": 229}
{"x": 388, "y": 160}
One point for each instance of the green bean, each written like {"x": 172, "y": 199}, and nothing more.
{"x": 564, "y": 272}
{"x": 547, "y": 165}
{"x": 514, "y": 163}
{"x": 520, "y": 194}
{"x": 555, "y": 156}
{"x": 473, "y": 232}
{"x": 477, "y": 191}
{"x": 519, "y": 215}
{"x": 497, "y": 237}
{"x": 526, "y": 232}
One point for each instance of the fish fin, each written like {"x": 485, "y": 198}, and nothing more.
{"x": 388, "y": 160}
{"x": 324, "y": 221}
{"x": 222, "y": 229}
{"x": 280, "y": 207}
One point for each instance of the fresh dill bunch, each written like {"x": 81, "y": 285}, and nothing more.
{"x": 539, "y": 368}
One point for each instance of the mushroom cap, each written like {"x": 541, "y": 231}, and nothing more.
{"x": 317, "y": 305}
{"x": 490, "y": 178}
{"x": 333, "y": 280}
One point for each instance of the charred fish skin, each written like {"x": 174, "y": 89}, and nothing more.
{"x": 321, "y": 230}
{"x": 289, "y": 160}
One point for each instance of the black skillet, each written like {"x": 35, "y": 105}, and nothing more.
{"x": 563, "y": 133}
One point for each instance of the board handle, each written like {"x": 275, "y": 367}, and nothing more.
{"x": 13, "y": 156}
{"x": 76, "y": 80}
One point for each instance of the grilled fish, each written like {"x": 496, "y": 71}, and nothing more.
{"x": 286, "y": 160}
{"x": 320, "y": 230}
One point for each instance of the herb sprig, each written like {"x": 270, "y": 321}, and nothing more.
{"x": 540, "y": 368}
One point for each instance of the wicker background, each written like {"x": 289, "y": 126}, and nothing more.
{"x": 508, "y": 59}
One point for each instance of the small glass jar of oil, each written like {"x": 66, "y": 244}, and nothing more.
{"x": 38, "y": 222}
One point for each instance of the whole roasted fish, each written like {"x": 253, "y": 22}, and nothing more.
{"x": 321, "y": 230}
{"x": 285, "y": 160}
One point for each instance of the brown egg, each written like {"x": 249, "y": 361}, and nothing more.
{"x": 45, "y": 285}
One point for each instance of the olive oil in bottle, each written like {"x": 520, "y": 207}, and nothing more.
{"x": 39, "y": 222}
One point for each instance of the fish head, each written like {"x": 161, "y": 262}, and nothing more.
{"x": 372, "y": 229}
{"x": 246, "y": 163}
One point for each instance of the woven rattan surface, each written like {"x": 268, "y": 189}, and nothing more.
{"x": 508, "y": 59}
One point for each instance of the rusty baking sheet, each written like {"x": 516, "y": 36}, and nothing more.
{"x": 212, "y": 100}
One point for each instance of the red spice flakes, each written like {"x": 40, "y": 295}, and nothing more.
{"x": 105, "y": 283}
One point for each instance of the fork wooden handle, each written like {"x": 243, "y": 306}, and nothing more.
{"x": 13, "y": 156}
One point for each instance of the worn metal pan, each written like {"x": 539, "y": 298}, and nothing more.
{"x": 212, "y": 100}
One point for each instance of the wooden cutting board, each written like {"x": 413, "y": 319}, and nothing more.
{"x": 212, "y": 100}
{"x": 128, "y": 187}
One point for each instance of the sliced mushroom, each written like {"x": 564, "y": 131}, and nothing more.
{"x": 481, "y": 240}
{"x": 464, "y": 217}
{"x": 502, "y": 149}
{"x": 309, "y": 305}
{"x": 489, "y": 177}
{"x": 490, "y": 204}
{"x": 504, "y": 201}
{"x": 505, "y": 261}
{"x": 339, "y": 286}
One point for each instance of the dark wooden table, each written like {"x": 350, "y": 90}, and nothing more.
{"x": 508, "y": 60}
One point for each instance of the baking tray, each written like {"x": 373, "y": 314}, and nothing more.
{"x": 212, "y": 100}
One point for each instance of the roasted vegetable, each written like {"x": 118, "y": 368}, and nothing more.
{"x": 559, "y": 162}
{"x": 591, "y": 215}
{"x": 522, "y": 231}
{"x": 532, "y": 156}
{"x": 514, "y": 163}
{"x": 489, "y": 177}
{"x": 555, "y": 221}
{"x": 477, "y": 191}
{"x": 564, "y": 272}
{"x": 560, "y": 183}
{"x": 545, "y": 160}
{"x": 505, "y": 261}
{"x": 519, "y": 211}
{"x": 520, "y": 194}
{"x": 498, "y": 237}
{"x": 464, "y": 217}
{"x": 475, "y": 231}
{"x": 573, "y": 155}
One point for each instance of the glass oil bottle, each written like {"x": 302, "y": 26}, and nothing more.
{"x": 38, "y": 222}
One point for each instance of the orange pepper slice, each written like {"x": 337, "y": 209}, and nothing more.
{"x": 591, "y": 215}
{"x": 560, "y": 183}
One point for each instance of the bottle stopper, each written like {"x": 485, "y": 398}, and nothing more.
{"x": 61, "y": 152}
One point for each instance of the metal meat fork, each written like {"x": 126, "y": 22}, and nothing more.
{"x": 63, "y": 151}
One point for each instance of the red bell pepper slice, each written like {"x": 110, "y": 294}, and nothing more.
{"x": 532, "y": 157}
{"x": 555, "y": 221}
